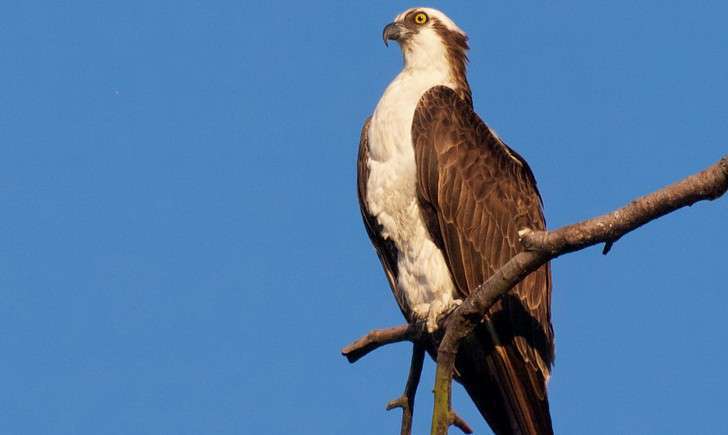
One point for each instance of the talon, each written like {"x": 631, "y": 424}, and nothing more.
{"x": 432, "y": 322}
{"x": 454, "y": 304}
{"x": 523, "y": 233}
{"x": 432, "y": 313}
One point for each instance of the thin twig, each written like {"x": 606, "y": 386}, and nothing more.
{"x": 407, "y": 400}
{"x": 458, "y": 422}
{"x": 378, "y": 338}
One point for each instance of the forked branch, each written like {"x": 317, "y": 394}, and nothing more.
{"x": 542, "y": 246}
{"x": 414, "y": 333}
{"x": 407, "y": 400}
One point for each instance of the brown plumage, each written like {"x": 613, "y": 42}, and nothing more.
{"x": 474, "y": 195}
{"x": 478, "y": 193}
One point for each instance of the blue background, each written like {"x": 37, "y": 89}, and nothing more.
{"x": 181, "y": 250}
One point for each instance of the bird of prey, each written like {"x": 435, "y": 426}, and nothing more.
{"x": 443, "y": 199}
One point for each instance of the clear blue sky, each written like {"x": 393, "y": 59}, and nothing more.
{"x": 181, "y": 250}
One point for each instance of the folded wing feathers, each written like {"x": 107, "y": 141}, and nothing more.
{"x": 482, "y": 193}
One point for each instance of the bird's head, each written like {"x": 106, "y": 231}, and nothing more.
{"x": 428, "y": 38}
{"x": 433, "y": 43}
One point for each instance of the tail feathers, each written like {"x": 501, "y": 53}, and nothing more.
{"x": 509, "y": 394}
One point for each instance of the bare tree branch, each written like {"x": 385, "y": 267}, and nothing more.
{"x": 543, "y": 246}
{"x": 458, "y": 422}
{"x": 379, "y": 337}
{"x": 407, "y": 400}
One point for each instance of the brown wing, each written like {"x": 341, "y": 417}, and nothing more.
{"x": 476, "y": 193}
{"x": 386, "y": 250}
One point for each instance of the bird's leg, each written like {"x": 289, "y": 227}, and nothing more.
{"x": 407, "y": 400}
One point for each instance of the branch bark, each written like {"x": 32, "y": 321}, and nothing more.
{"x": 542, "y": 246}
{"x": 414, "y": 333}
{"x": 377, "y": 338}
{"x": 407, "y": 400}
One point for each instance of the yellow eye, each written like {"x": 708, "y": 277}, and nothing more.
{"x": 421, "y": 18}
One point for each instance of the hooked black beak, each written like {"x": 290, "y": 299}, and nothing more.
{"x": 394, "y": 32}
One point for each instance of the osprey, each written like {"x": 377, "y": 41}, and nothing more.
{"x": 443, "y": 199}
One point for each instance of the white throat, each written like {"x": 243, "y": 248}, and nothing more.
{"x": 426, "y": 51}
{"x": 425, "y": 65}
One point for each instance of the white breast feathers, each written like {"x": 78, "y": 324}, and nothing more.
{"x": 423, "y": 275}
